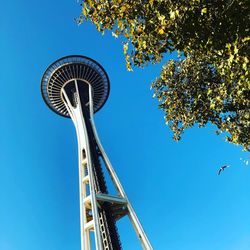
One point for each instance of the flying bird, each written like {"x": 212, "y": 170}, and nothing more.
{"x": 222, "y": 169}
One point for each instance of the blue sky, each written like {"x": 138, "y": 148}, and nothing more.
{"x": 174, "y": 187}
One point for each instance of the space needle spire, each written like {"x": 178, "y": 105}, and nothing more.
{"x": 76, "y": 87}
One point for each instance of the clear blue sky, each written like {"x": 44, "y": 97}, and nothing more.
{"x": 174, "y": 187}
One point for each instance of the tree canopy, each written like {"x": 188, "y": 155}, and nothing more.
{"x": 210, "y": 80}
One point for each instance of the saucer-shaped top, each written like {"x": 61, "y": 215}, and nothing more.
{"x": 68, "y": 69}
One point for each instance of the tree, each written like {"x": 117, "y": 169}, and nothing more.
{"x": 210, "y": 80}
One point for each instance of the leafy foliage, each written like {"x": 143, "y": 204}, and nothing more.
{"x": 210, "y": 80}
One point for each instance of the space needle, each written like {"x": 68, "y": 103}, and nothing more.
{"x": 76, "y": 87}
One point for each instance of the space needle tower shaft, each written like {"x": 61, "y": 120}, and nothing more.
{"x": 77, "y": 87}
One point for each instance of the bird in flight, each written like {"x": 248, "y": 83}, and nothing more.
{"x": 222, "y": 169}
